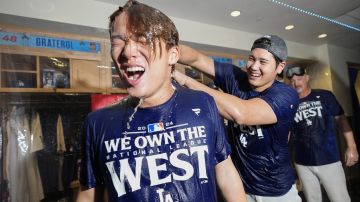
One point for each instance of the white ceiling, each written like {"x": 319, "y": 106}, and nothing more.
{"x": 267, "y": 17}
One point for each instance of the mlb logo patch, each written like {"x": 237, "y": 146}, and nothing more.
{"x": 155, "y": 127}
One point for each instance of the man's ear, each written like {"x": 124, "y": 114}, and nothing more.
{"x": 280, "y": 67}
{"x": 174, "y": 54}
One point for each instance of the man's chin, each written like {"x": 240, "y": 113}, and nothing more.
{"x": 254, "y": 83}
{"x": 136, "y": 92}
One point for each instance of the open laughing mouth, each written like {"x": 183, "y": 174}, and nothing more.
{"x": 254, "y": 75}
{"x": 133, "y": 74}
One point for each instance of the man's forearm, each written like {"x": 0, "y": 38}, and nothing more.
{"x": 349, "y": 139}
{"x": 351, "y": 153}
{"x": 197, "y": 60}
{"x": 229, "y": 181}
{"x": 249, "y": 112}
{"x": 345, "y": 129}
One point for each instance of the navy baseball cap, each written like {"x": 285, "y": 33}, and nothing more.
{"x": 298, "y": 71}
{"x": 272, "y": 43}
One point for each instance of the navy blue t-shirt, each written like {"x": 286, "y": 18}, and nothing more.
{"x": 162, "y": 153}
{"x": 261, "y": 152}
{"x": 314, "y": 129}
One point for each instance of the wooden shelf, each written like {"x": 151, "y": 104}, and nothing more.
{"x": 18, "y": 71}
{"x": 118, "y": 90}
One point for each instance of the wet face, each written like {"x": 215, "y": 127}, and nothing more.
{"x": 261, "y": 69}
{"x": 300, "y": 83}
{"x": 146, "y": 71}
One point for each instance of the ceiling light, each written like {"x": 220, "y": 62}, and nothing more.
{"x": 235, "y": 13}
{"x": 315, "y": 15}
{"x": 322, "y": 36}
{"x": 289, "y": 27}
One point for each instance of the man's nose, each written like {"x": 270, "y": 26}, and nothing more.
{"x": 130, "y": 49}
{"x": 255, "y": 65}
{"x": 295, "y": 83}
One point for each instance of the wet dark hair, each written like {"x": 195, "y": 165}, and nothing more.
{"x": 150, "y": 23}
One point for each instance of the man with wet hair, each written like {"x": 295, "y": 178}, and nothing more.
{"x": 163, "y": 142}
{"x": 260, "y": 110}
{"x": 317, "y": 158}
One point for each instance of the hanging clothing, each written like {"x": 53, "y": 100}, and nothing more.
{"x": 36, "y": 134}
{"x": 61, "y": 148}
{"x": 36, "y": 192}
{"x": 18, "y": 131}
{"x": 33, "y": 173}
{"x": 21, "y": 161}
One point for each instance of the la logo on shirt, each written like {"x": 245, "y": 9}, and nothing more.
{"x": 247, "y": 131}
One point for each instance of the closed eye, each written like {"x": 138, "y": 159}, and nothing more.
{"x": 263, "y": 61}
{"x": 118, "y": 40}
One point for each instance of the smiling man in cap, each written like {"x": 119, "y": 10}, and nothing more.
{"x": 260, "y": 111}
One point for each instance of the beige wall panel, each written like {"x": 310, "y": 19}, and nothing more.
{"x": 86, "y": 74}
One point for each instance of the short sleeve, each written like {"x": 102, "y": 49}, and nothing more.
{"x": 283, "y": 99}
{"x": 231, "y": 79}
{"x": 222, "y": 147}
{"x": 333, "y": 106}
{"x": 88, "y": 169}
